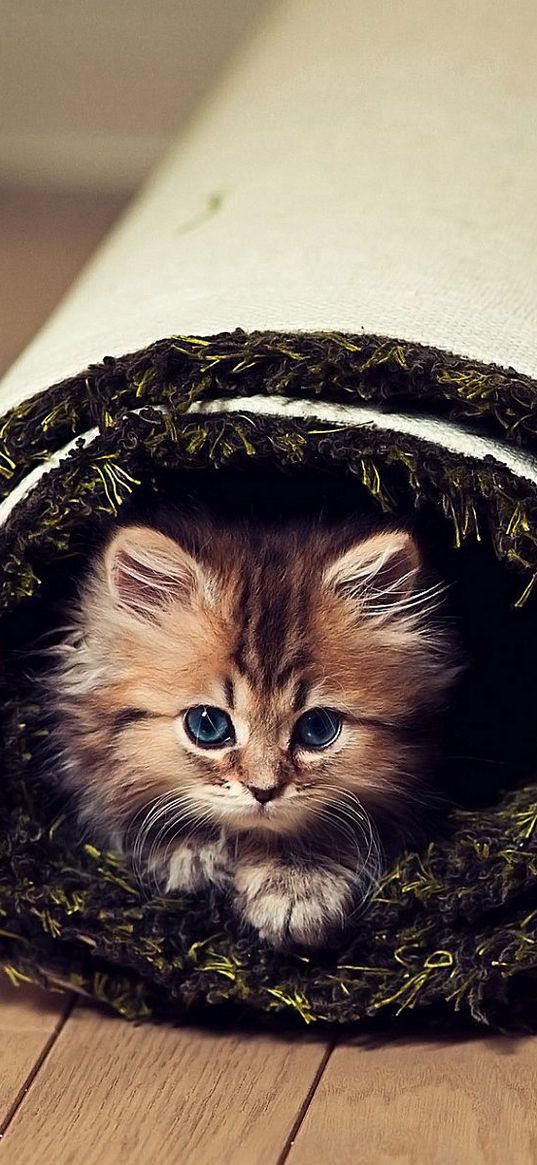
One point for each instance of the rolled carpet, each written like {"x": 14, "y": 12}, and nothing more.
{"x": 263, "y": 394}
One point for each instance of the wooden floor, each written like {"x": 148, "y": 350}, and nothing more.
{"x": 79, "y": 1087}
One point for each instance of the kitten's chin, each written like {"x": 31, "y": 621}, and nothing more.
{"x": 273, "y": 817}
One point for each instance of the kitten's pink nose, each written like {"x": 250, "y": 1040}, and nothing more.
{"x": 262, "y": 795}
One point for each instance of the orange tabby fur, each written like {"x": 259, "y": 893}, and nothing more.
{"x": 263, "y": 624}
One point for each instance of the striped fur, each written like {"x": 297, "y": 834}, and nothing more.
{"x": 264, "y": 624}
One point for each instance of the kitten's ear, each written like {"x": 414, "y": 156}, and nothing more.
{"x": 378, "y": 573}
{"x": 147, "y": 571}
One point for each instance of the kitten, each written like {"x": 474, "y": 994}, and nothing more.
{"x": 237, "y": 706}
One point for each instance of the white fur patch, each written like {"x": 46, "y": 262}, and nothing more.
{"x": 288, "y": 904}
{"x": 194, "y": 865}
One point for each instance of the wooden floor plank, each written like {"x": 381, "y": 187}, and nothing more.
{"x": 29, "y": 1018}
{"x": 424, "y": 1104}
{"x": 110, "y": 1093}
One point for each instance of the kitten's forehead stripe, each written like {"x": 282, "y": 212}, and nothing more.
{"x": 298, "y": 661}
{"x": 229, "y": 691}
{"x": 242, "y": 616}
{"x": 300, "y": 694}
{"x": 272, "y": 622}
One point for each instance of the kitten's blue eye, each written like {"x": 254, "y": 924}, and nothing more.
{"x": 209, "y": 727}
{"x": 317, "y": 728}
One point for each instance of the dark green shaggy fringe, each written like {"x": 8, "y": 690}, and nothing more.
{"x": 453, "y": 927}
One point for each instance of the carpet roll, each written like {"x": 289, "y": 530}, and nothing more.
{"x": 454, "y": 922}
{"x": 312, "y": 305}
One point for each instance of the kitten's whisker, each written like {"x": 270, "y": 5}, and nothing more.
{"x": 153, "y": 831}
{"x": 176, "y": 810}
{"x": 482, "y": 760}
{"x": 351, "y": 843}
{"x": 194, "y": 818}
{"x": 369, "y": 865}
{"x": 171, "y": 824}
{"x": 357, "y": 814}
{"x": 342, "y": 827}
{"x": 175, "y": 828}
{"x": 339, "y": 813}
{"x": 157, "y": 808}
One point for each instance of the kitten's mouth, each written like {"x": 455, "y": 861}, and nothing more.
{"x": 241, "y": 811}
{"x": 258, "y": 809}
{"x": 271, "y": 817}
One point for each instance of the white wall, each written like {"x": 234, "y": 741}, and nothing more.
{"x": 92, "y": 91}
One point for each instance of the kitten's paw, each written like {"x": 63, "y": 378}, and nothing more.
{"x": 196, "y": 864}
{"x": 293, "y": 905}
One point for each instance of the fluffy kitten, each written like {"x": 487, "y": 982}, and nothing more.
{"x": 237, "y": 705}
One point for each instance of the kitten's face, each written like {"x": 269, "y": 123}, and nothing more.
{"x": 254, "y": 682}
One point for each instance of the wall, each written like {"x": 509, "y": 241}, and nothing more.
{"x": 92, "y": 91}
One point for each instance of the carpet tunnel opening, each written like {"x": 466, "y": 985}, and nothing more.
{"x": 452, "y": 924}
